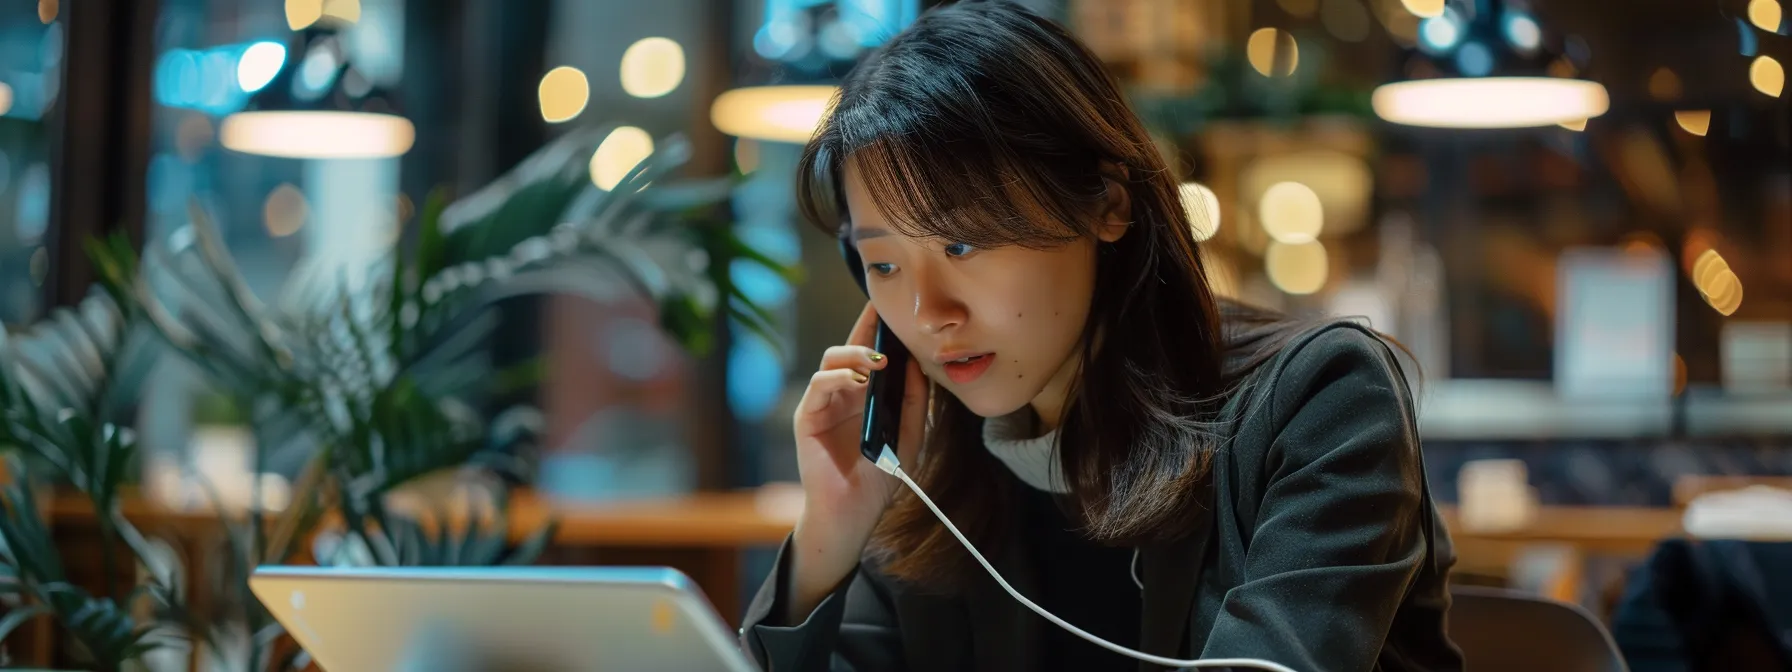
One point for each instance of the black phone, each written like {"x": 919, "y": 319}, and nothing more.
{"x": 883, "y": 392}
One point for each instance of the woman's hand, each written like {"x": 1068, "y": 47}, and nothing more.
{"x": 844, "y": 494}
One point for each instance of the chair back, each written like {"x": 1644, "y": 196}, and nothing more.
{"x": 1506, "y": 630}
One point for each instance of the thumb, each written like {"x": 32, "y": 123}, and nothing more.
{"x": 914, "y": 414}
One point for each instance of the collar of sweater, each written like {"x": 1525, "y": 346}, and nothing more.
{"x": 1014, "y": 439}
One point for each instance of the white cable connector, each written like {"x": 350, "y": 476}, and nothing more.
{"x": 887, "y": 461}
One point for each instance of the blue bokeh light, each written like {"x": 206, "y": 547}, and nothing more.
{"x": 755, "y": 378}
{"x": 1474, "y": 59}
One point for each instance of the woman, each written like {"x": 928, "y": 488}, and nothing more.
{"x": 1173, "y": 475}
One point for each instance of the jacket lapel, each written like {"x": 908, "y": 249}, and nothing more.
{"x": 1171, "y": 573}
{"x": 1004, "y": 633}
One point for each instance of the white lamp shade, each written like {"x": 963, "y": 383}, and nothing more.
{"x": 1490, "y": 102}
{"x": 772, "y": 113}
{"x": 318, "y": 135}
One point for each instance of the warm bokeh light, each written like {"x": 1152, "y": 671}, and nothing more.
{"x": 259, "y": 64}
{"x": 1679, "y": 374}
{"x": 1724, "y": 293}
{"x": 1342, "y": 180}
{"x": 1490, "y": 102}
{"x": 1296, "y": 268}
{"x": 772, "y": 113}
{"x": 285, "y": 211}
{"x": 1715, "y": 281}
{"x": 318, "y": 135}
{"x": 619, "y": 153}
{"x": 1222, "y": 278}
{"x": 1202, "y": 207}
{"x": 1403, "y": 27}
{"x": 746, "y": 155}
{"x": 1765, "y": 14}
{"x": 1562, "y": 68}
{"x": 1291, "y": 213}
{"x": 1767, "y": 75}
{"x": 1262, "y": 50}
{"x": 47, "y": 10}
{"x": 5, "y": 98}
{"x": 1576, "y": 125}
{"x": 1664, "y": 84}
{"x": 300, "y": 14}
{"x": 1707, "y": 267}
{"x": 1696, "y": 122}
{"x": 347, "y": 11}
{"x": 564, "y": 92}
{"x": 652, "y": 67}
{"x": 1424, "y": 8}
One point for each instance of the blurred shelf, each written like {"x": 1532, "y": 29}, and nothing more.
{"x": 1461, "y": 409}
{"x": 1530, "y": 409}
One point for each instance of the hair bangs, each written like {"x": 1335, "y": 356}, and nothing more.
{"x": 940, "y": 184}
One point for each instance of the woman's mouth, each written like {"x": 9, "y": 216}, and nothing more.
{"x": 966, "y": 369}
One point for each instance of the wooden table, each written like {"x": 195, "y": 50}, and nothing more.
{"x": 701, "y": 534}
{"x": 704, "y": 534}
{"x": 1596, "y": 530}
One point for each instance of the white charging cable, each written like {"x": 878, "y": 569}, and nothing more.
{"x": 887, "y": 461}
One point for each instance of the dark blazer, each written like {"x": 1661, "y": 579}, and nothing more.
{"x": 1322, "y": 549}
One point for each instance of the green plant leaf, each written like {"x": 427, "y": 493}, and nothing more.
{"x": 533, "y": 546}
{"x": 20, "y": 616}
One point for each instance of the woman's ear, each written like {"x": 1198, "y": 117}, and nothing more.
{"x": 1116, "y": 212}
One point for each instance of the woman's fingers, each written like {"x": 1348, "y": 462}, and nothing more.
{"x": 831, "y": 393}
{"x": 856, "y": 357}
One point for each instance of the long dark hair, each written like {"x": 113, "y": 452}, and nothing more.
{"x": 987, "y": 124}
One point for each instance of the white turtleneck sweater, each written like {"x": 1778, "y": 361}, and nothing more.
{"x": 1034, "y": 459}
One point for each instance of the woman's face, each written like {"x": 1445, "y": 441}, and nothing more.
{"x": 998, "y": 328}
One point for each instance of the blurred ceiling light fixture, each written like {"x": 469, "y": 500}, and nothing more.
{"x": 310, "y": 109}
{"x": 47, "y": 10}
{"x": 786, "y": 113}
{"x": 1522, "y": 96}
{"x": 5, "y": 98}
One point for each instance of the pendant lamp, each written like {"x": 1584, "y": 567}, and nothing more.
{"x": 1485, "y": 64}
{"x": 776, "y": 113}
{"x": 318, "y": 106}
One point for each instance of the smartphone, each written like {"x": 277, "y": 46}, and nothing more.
{"x": 883, "y": 392}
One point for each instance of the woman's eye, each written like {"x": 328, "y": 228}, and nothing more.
{"x": 959, "y": 249}
{"x": 881, "y": 269}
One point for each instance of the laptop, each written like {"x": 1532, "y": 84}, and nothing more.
{"x": 499, "y": 619}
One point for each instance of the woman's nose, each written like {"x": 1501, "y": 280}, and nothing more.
{"x": 936, "y": 311}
